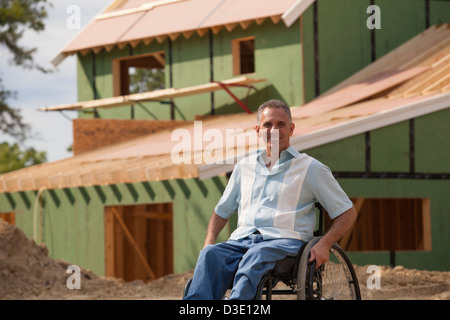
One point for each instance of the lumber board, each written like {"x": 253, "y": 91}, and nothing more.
{"x": 169, "y": 93}
{"x": 418, "y": 85}
{"x": 110, "y": 270}
{"x": 113, "y": 12}
{"x": 357, "y": 92}
{"x": 426, "y": 222}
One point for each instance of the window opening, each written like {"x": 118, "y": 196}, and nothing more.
{"x": 138, "y": 74}
{"x": 243, "y": 55}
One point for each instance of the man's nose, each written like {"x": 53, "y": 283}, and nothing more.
{"x": 274, "y": 131}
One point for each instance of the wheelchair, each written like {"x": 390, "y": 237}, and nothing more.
{"x": 335, "y": 280}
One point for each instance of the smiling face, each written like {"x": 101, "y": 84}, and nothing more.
{"x": 273, "y": 121}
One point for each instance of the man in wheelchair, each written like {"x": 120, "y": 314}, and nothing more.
{"x": 274, "y": 192}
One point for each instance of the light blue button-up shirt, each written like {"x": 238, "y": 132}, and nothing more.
{"x": 280, "y": 202}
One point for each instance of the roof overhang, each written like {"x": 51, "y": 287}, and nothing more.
{"x": 410, "y": 108}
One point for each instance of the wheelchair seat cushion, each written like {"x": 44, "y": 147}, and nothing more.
{"x": 284, "y": 267}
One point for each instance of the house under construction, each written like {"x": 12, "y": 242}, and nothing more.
{"x": 372, "y": 104}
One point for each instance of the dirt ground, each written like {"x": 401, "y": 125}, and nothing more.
{"x": 28, "y": 273}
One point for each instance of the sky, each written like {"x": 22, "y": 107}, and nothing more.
{"x": 52, "y": 131}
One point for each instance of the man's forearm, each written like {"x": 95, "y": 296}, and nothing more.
{"x": 320, "y": 251}
{"x": 216, "y": 224}
{"x": 339, "y": 226}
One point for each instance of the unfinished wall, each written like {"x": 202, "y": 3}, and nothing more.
{"x": 72, "y": 222}
{"x": 345, "y": 44}
{"x": 390, "y": 154}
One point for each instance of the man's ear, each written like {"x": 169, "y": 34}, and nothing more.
{"x": 291, "y": 129}
{"x": 257, "y": 130}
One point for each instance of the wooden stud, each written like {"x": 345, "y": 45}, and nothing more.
{"x": 110, "y": 270}
{"x": 133, "y": 244}
{"x": 426, "y": 223}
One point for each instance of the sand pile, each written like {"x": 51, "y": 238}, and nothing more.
{"x": 27, "y": 272}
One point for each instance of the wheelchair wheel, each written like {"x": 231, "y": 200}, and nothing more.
{"x": 335, "y": 280}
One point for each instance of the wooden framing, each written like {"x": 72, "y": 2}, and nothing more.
{"x": 392, "y": 224}
{"x": 139, "y": 241}
{"x": 169, "y": 93}
{"x": 120, "y": 67}
{"x": 9, "y": 217}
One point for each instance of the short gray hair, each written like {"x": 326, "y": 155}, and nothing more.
{"x": 273, "y": 104}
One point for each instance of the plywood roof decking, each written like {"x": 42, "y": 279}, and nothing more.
{"x": 133, "y": 22}
{"x": 420, "y": 50}
{"x": 156, "y": 95}
{"x": 422, "y": 91}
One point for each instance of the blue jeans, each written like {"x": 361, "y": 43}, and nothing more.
{"x": 252, "y": 257}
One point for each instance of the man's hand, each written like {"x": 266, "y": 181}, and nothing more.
{"x": 319, "y": 252}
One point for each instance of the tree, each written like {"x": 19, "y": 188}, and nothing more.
{"x": 12, "y": 158}
{"x": 16, "y": 16}
{"x": 146, "y": 79}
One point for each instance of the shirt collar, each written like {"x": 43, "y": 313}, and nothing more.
{"x": 285, "y": 154}
{"x": 291, "y": 150}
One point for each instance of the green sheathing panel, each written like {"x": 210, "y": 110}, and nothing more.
{"x": 400, "y": 21}
{"x": 343, "y": 155}
{"x": 191, "y": 67}
{"x": 432, "y": 143}
{"x": 73, "y": 219}
{"x": 278, "y": 59}
{"x": 344, "y": 40}
{"x": 389, "y": 148}
{"x": 439, "y": 12}
{"x": 437, "y": 191}
{"x": 84, "y": 82}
